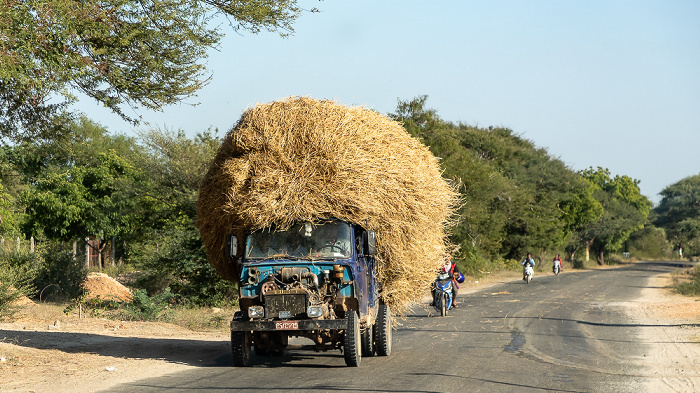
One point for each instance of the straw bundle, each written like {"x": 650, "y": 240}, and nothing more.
{"x": 301, "y": 159}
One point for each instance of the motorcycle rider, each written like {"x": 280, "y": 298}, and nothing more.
{"x": 528, "y": 259}
{"x": 556, "y": 263}
{"x": 457, "y": 277}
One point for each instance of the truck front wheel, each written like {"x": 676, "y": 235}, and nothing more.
{"x": 351, "y": 341}
{"x": 240, "y": 348}
{"x": 382, "y": 331}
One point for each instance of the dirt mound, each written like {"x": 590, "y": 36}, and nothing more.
{"x": 301, "y": 159}
{"x": 24, "y": 301}
{"x": 104, "y": 287}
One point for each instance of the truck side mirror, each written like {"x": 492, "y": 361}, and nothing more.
{"x": 232, "y": 246}
{"x": 370, "y": 242}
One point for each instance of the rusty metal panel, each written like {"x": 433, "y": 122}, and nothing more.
{"x": 291, "y": 304}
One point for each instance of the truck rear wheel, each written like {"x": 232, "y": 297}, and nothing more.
{"x": 351, "y": 341}
{"x": 382, "y": 331}
{"x": 240, "y": 348}
{"x": 368, "y": 341}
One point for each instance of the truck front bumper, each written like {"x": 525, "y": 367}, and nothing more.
{"x": 290, "y": 324}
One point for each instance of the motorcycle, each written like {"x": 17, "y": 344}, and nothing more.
{"x": 528, "y": 272}
{"x": 443, "y": 293}
{"x": 556, "y": 268}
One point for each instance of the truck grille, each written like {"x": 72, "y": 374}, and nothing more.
{"x": 289, "y": 303}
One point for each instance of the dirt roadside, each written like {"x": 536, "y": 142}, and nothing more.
{"x": 44, "y": 353}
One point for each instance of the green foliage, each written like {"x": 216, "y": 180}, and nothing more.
{"x": 679, "y": 214}
{"x": 61, "y": 276}
{"x": 625, "y": 210}
{"x": 175, "y": 166}
{"x": 649, "y": 243}
{"x": 9, "y": 296}
{"x": 180, "y": 265}
{"x": 9, "y": 224}
{"x": 81, "y": 200}
{"x": 17, "y": 273}
{"x": 121, "y": 53}
{"x": 148, "y": 308}
{"x": 517, "y": 198}
{"x": 692, "y": 287}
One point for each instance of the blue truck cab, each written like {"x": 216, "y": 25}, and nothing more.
{"x": 314, "y": 280}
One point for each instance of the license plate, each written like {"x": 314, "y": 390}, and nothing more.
{"x": 287, "y": 325}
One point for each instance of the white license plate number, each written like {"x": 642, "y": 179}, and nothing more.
{"x": 287, "y": 325}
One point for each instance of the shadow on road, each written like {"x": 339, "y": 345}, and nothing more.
{"x": 182, "y": 351}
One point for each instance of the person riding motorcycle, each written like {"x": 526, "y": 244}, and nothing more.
{"x": 528, "y": 259}
{"x": 457, "y": 277}
{"x": 556, "y": 263}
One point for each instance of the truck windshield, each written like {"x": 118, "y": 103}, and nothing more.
{"x": 331, "y": 239}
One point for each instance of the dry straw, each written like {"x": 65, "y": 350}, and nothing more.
{"x": 301, "y": 159}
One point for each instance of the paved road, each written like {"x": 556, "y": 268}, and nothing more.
{"x": 566, "y": 333}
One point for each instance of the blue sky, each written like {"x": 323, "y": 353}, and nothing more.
{"x": 614, "y": 84}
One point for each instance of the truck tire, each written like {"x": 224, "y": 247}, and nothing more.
{"x": 351, "y": 341}
{"x": 382, "y": 331}
{"x": 368, "y": 341}
{"x": 240, "y": 348}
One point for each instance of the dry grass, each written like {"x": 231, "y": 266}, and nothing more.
{"x": 302, "y": 159}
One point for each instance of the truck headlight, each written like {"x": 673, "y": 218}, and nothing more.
{"x": 314, "y": 311}
{"x": 256, "y": 311}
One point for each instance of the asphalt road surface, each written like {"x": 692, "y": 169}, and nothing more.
{"x": 565, "y": 333}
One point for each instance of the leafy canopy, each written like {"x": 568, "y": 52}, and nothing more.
{"x": 122, "y": 53}
{"x": 625, "y": 210}
{"x": 679, "y": 212}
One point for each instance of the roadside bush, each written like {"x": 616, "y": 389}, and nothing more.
{"x": 649, "y": 243}
{"x": 17, "y": 272}
{"x": 61, "y": 276}
{"x": 474, "y": 264}
{"x": 148, "y": 308}
{"x": 181, "y": 267}
{"x": 692, "y": 287}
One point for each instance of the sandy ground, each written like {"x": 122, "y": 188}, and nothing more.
{"x": 43, "y": 352}
{"x": 671, "y": 332}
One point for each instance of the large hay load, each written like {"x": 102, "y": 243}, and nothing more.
{"x": 301, "y": 159}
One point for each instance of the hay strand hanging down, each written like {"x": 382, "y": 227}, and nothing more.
{"x": 301, "y": 159}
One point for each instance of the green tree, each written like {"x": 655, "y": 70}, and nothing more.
{"x": 121, "y": 53}
{"x": 517, "y": 198}
{"x": 679, "y": 214}
{"x": 649, "y": 242}
{"x": 170, "y": 249}
{"x": 8, "y": 220}
{"x": 85, "y": 199}
{"x": 625, "y": 210}
{"x": 78, "y": 186}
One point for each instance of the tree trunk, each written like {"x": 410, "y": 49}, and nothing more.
{"x": 101, "y": 245}
{"x": 588, "y": 244}
{"x": 99, "y": 253}
{"x": 87, "y": 252}
{"x": 600, "y": 257}
{"x": 571, "y": 253}
{"x": 112, "y": 249}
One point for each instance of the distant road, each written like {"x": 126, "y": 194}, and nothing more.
{"x": 566, "y": 333}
